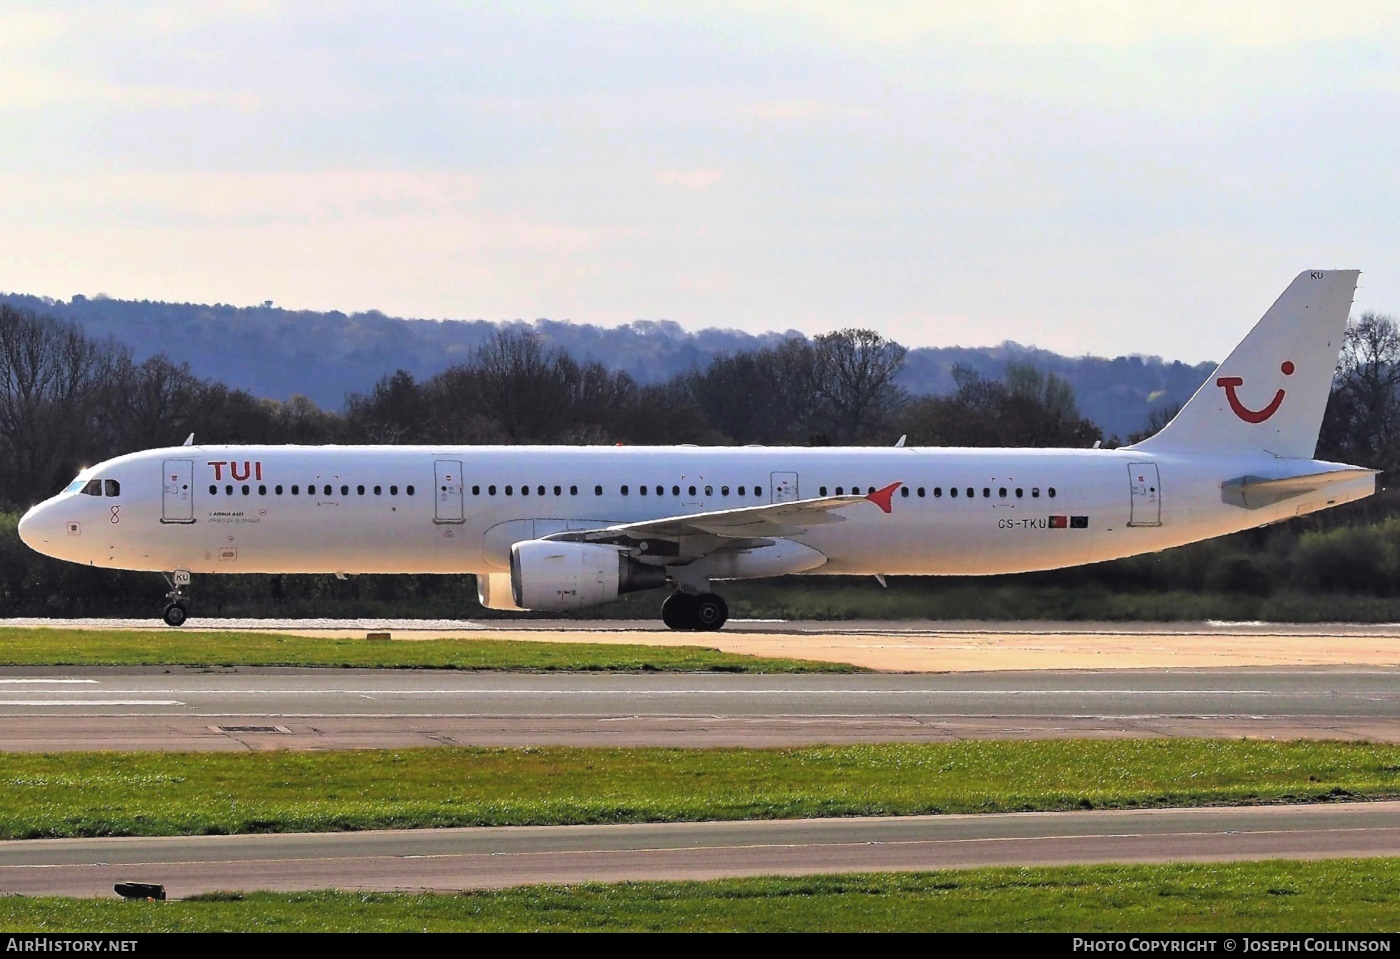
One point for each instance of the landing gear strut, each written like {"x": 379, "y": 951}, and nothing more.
{"x": 689, "y": 612}
{"x": 175, "y": 603}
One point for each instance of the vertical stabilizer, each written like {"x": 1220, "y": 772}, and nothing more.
{"x": 1271, "y": 392}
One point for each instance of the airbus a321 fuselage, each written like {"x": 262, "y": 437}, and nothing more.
{"x": 561, "y": 528}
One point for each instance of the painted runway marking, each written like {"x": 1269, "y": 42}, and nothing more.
{"x": 90, "y": 702}
{"x": 53, "y": 681}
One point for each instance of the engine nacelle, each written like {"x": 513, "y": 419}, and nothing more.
{"x": 560, "y": 576}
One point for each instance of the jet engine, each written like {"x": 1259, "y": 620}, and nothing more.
{"x": 559, "y": 576}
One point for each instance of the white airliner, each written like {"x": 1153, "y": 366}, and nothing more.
{"x": 562, "y": 528}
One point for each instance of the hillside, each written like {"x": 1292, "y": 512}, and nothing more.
{"x": 276, "y": 353}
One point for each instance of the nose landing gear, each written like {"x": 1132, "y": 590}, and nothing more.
{"x": 175, "y": 602}
{"x": 703, "y": 612}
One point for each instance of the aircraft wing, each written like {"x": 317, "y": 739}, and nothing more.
{"x": 746, "y": 522}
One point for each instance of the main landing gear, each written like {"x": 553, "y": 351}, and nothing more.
{"x": 176, "y": 608}
{"x": 690, "y": 612}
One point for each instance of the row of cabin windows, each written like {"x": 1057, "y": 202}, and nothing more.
{"x": 326, "y": 490}
{"x": 113, "y": 488}
{"x": 624, "y": 490}
{"x": 953, "y": 491}
{"x": 1002, "y": 492}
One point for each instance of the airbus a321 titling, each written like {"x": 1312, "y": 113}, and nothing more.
{"x": 562, "y": 528}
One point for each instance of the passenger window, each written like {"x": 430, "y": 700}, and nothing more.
{"x": 213, "y": 490}
{"x": 277, "y": 489}
{"x": 1001, "y": 492}
{"x": 490, "y": 490}
{"x": 938, "y": 492}
{"x": 394, "y": 490}
{"x": 112, "y": 487}
{"x": 262, "y": 490}
{"x": 93, "y": 488}
{"x": 904, "y": 491}
{"x": 971, "y": 492}
{"x": 597, "y": 491}
{"x": 245, "y": 489}
{"x": 295, "y": 489}
{"x": 709, "y": 491}
{"x": 661, "y": 491}
{"x": 758, "y": 491}
{"x": 921, "y": 492}
{"x": 624, "y": 491}
{"x": 573, "y": 490}
{"x": 476, "y": 490}
{"x": 1051, "y": 491}
{"x": 676, "y": 490}
{"x": 840, "y": 491}
{"x": 724, "y": 491}
{"x": 986, "y": 492}
{"x": 741, "y": 491}
{"x": 345, "y": 490}
{"x": 1018, "y": 492}
{"x": 692, "y": 491}
{"x": 359, "y": 491}
{"x": 822, "y": 490}
{"x": 228, "y": 490}
{"x": 870, "y": 489}
{"x": 1035, "y": 492}
{"x": 642, "y": 490}
{"x": 525, "y": 489}
{"x": 327, "y": 490}
{"x": 558, "y": 491}
{"x": 953, "y": 492}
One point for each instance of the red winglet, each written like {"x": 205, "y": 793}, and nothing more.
{"x": 881, "y": 497}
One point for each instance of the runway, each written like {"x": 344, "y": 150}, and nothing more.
{"x": 455, "y": 859}
{"x": 249, "y": 708}
{"x": 905, "y": 646}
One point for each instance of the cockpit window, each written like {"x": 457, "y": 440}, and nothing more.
{"x": 111, "y": 487}
{"x": 93, "y": 488}
{"x": 74, "y": 486}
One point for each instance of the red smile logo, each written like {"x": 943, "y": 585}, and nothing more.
{"x": 1230, "y": 383}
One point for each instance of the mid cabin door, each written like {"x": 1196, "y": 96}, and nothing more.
{"x": 447, "y": 503}
{"x": 177, "y": 492}
{"x": 784, "y": 487}
{"x": 1146, "y": 489}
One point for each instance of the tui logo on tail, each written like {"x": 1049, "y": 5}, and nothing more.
{"x": 1231, "y": 383}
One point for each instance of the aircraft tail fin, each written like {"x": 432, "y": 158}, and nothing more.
{"x": 1271, "y": 392}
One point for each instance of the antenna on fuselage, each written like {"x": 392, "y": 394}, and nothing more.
{"x": 189, "y": 440}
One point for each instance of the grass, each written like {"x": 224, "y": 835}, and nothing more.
{"x": 1276, "y": 896}
{"x": 148, "y": 794}
{"x": 171, "y": 647}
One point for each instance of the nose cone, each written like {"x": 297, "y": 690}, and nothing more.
{"x": 35, "y": 531}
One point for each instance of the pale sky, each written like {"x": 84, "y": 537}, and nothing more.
{"x": 1085, "y": 177}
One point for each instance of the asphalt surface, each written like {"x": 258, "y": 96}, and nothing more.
{"x": 454, "y": 859}
{"x": 267, "y": 708}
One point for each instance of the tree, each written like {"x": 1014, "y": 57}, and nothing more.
{"x": 1028, "y": 408}
{"x": 855, "y": 371}
{"x": 1363, "y": 412}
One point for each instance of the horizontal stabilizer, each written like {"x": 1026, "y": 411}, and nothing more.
{"x": 1256, "y": 492}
